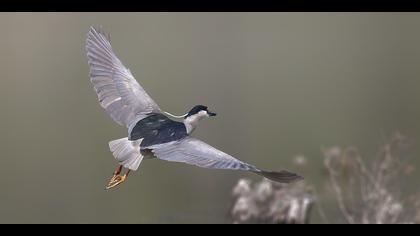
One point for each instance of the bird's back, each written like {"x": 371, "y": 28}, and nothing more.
{"x": 157, "y": 129}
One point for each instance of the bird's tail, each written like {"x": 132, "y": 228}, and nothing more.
{"x": 283, "y": 176}
{"x": 126, "y": 152}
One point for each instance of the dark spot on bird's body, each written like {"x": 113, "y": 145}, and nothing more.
{"x": 157, "y": 129}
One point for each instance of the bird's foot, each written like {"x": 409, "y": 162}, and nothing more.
{"x": 116, "y": 180}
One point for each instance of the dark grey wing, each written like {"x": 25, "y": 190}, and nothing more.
{"x": 195, "y": 152}
{"x": 118, "y": 91}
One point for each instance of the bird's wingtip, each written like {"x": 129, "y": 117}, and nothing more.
{"x": 283, "y": 176}
{"x": 97, "y": 30}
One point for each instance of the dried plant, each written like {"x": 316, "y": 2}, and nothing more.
{"x": 271, "y": 203}
{"x": 371, "y": 194}
{"x": 366, "y": 193}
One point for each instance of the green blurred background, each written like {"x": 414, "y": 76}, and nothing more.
{"x": 283, "y": 84}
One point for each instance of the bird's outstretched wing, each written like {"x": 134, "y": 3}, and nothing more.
{"x": 195, "y": 152}
{"x": 118, "y": 91}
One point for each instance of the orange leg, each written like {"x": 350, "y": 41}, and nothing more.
{"x": 118, "y": 170}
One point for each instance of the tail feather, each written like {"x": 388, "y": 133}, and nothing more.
{"x": 126, "y": 153}
{"x": 283, "y": 176}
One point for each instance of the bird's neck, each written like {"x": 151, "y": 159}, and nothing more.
{"x": 191, "y": 122}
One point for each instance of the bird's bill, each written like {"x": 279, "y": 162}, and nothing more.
{"x": 211, "y": 113}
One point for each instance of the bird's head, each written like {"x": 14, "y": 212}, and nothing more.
{"x": 196, "y": 114}
{"x": 199, "y": 111}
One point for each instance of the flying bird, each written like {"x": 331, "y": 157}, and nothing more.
{"x": 151, "y": 133}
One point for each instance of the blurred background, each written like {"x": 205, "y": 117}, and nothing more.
{"x": 283, "y": 85}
